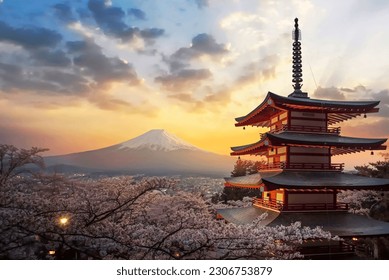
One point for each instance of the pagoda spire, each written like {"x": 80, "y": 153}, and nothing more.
{"x": 297, "y": 67}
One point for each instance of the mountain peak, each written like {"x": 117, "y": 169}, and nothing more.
{"x": 157, "y": 140}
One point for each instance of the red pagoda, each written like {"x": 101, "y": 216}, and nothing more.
{"x": 300, "y": 182}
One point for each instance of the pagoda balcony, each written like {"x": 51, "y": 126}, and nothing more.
{"x": 304, "y": 166}
{"x": 309, "y": 129}
{"x": 280, "y": 206}
{"x": 315, "y": 166}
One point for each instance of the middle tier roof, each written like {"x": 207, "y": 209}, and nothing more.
{"x": 338, "y": 144}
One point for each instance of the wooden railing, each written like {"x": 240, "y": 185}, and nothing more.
{"x": 315, "y": 206}
{"x": 327, "y": 250}
{"x": 277, "y": 165}
{"x": 321, "y": 166}
{"x": 318, "y": 166}
{"x": 278, "y": 205}
{"x": 307, "y": 128}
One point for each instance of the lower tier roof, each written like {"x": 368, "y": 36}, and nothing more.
{"x": 342, "y": 224}
{"x": 276, "y": 179}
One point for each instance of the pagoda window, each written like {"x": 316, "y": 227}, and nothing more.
{"x": 309, "y": 159}
{"x": 309, "y": 150}
{"x": 272, "y": 152}
{"x": 280, "y": 197}
{"x": 281, "y": 150}
{"x": 308, "y": 120}
{"x": 308, "y": 115}
{"x": 310, "y": 198}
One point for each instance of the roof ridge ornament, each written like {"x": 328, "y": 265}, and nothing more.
{"x": 297, "y": 66}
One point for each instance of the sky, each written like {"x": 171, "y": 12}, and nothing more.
{"x": 85, "y": 74}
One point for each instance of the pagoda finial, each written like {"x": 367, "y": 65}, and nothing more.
{"x": 297, "y": 67}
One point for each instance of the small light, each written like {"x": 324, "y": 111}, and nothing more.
{"x": 355, "y": 239}
{"x": 52, "y": 252}
{"x": 177, "y": 254}
{"x": 63, "y": 220}
{"x": 365, "y": 116}
{"x": 244, "y": 128}
{"x": 238, "y": 158}
{"x": 372, "y": 153}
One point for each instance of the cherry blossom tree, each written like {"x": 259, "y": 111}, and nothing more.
{"x": 119, "y": 218}
{"x": 53, "y": 217}
{"x": 14, "y": 161}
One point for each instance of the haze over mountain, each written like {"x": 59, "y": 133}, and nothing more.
{"x": 156, "y": 152}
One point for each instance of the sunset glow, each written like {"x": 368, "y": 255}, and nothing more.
{"x": 83, "y": 75}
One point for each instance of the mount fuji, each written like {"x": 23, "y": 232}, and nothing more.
{"x": 156, "y": 152}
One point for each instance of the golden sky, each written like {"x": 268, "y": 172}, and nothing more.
{"x": 95, "y": 73}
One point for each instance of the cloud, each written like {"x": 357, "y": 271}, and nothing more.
{"x": 91, "y": 62}
{"x": 261, "y": 70}
{"x": 329, "y": 93}
{"x": 64, "y": 12}
{"x": 202, "y": 44}
{"x": 137, "y": 14}
{"x": 373, "y": 129}
{"x": 359, "y": 89}
{"x": 29, "y": 38}
{"x": 184, "y": 79}
{"x": 112, "y": 21}
{"x": 212, "y": 101}
{"x": 201, "y": 3}
{"x": 69, "y": 82}
{"x": 359, "y": 92}
{"x": 46, "y": 57}
{"x": 82, "y": 71}
{"x": 382, "y": 96}
{"x": 13, "y": 77}
{"x": 105, "y": 101}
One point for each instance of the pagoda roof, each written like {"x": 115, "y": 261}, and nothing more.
{"x": 250, "y": 181}
{"x": 342, "y": 224}
{"x": 288, "y": 179}
{"x": 323, "y": 179}
{"x": 338, "y": 110}
{"x": 340, "y": 144}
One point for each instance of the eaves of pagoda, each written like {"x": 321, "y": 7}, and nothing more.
{"x": 342, "y": 224}
{"x": 338, "y": 111}
{"x": 338, "y": 144}
{"x": 261, "y": 115}
{"x": 321, "y": 179}
{"x": 307, "y": 180}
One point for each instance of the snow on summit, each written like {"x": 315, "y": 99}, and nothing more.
{"x": 158, "y": 140}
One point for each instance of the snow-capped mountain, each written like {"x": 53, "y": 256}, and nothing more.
{"x": 156, "y": 152}
{"x": 157, "y": 140}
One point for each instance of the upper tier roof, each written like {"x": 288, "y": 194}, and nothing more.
{"x": 337, "y": 110}
{"x": 340, "y": 144}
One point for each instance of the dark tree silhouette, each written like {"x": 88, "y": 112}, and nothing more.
{"x": 379, "y": 169}
{"x": 15, "y": 161}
